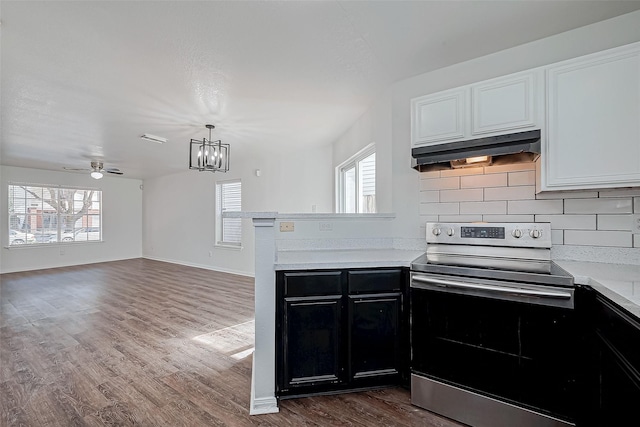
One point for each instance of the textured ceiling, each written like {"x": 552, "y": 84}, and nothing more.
{"x": 83, "y": 80}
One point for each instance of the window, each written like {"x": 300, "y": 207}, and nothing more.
{"x": 228, "y": 199}
{"x": 356, "y": 183}
{"x": 52, "y": 214}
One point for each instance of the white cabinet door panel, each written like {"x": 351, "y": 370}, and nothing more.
{"x": 593, "y": 138}
{"x": 439, "y": 117}
{"x": 504, "y": 104}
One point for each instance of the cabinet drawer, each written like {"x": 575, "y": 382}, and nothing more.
{"x": 374, "y": 280}
{"x": 312, "y": 283}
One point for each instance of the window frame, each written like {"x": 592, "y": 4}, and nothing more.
{"x": 220, "y": 217}
{"x": 58, "y": 215}
{"x": 351, "y": 163}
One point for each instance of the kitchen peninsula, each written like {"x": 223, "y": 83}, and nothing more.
{"x": 311, "y": 242}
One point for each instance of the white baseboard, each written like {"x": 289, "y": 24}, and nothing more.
{"x": 262, "y": 405}
{"x": 206, "y": 267}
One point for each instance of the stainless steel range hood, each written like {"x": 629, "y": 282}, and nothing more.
{"x": 517, "y": 146}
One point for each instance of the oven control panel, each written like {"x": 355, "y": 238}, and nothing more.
{"x": 527, "y": 235}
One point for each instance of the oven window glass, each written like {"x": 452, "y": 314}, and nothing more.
{"x": 521, "y": 353}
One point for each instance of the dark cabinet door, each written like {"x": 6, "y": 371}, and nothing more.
{"x": 312, "y": 341}
{"x": 374, "y": 332}
{"x": 619, "y": 388}
{"x": 618, "y": 349}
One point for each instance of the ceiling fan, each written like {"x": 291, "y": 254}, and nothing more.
{"x": 97, "y": 170}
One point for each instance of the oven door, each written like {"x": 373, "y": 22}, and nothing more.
{"x": 507, "y": 341}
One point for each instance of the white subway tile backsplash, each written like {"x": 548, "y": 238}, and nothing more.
{"x": 430, "y": 175}
{"x": 614, "y": 222}
{"x": 598, "y": 206}
{"x": 522, "y": 178}
{"x": 535, "y": 207}
{"x": 469, "y": 195}
{"x": 557, "y": 237}
{"x": 510, "y": 193}
{"x": 439, "y": 208}
{"x": 622, "y": 192}
{"x": 598, "y": 238}
{"x": 451, "y": 183}
{"x": 460, "y": 218}
{"x": 569, "y": 222}
{"x": 481, "y": 181}
{"x": 499, "y": 207}
{"x": 506, "y": 193}
{"x": 428, "y": 218}
{"x": 431, "y": 196}
{"x": 567, "y": 195}
{"x": 513, "y": 167}
{"x": 461, "y": 172}
{"x": 507, "y": 218}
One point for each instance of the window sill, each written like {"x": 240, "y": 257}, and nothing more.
{"x": 52, "y": 245}
{"x": 228, "y": 246}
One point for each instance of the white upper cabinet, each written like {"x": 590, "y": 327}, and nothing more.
{"x": 440, "y": 117}
{"x": 503, "y": 105}
{"x": 507, "y": 103}
{"x": 593, "y": 122}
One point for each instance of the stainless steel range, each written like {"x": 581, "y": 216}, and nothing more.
{"x": 493, "y": 326}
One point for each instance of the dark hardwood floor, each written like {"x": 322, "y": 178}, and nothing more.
{"x": 147, "y": 343}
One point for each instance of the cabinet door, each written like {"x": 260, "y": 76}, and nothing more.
{"x": 618, "y": 334}
{"x": 311, "y": 341}
{"x": 506, "y": 103}
{"x": 374, "y": 336}
{"x": 439, "y": 117}
{"x": 593, "y": 138}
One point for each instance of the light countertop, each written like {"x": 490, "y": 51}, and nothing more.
{"x": 618, "y": 282}
{"x": 350, "y": 258}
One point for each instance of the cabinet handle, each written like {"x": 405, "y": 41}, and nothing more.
{"x": 441, "y": 283}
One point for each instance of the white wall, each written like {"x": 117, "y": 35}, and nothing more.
{"x": 179, "y": 209}
{"x": 404, "y": 183}
{"x": 121, "y": 222}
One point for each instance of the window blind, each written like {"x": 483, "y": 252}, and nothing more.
{"x": 229, "y": 200}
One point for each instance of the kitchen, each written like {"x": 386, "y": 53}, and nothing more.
{"x": 587, "y": 224}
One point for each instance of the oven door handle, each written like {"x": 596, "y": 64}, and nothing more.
{"x": 441, "y": 283}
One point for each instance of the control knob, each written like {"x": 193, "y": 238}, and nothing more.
{"x": 535, "y": 233}
{"x": 450, "y": 232}
{"x": 436, "y": 231}
{"x": 517, "y": 233}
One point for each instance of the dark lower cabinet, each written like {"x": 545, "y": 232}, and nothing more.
{"x": 611, "y": 366}
{"x": 374, "y": 332}
{"x": 340, "y": 330}
{"x": 312, "y": 341}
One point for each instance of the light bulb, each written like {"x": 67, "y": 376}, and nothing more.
{"x": 96, "y": 175}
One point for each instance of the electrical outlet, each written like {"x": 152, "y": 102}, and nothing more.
{"x": 325, "y": 226}
{"x": 635, "y": 223}
{"x": 286, "y": 226}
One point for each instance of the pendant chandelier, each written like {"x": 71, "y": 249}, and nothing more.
{"x": 208, "y": 155}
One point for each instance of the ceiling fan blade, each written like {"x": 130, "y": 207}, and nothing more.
{"x": 114, "y": 171}
{"x": 111, "y": 170}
